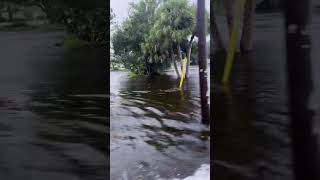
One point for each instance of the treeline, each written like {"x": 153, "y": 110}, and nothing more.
{"x": 156, "y": 34}
{"x": 269, "y": 5}
{"x": 85, "y": 18}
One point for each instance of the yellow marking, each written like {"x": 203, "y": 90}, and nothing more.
{"x": 183, "y": 72}
{"x": 233, "y": 40}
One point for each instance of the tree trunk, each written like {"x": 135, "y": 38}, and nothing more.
{"x": 189, "y": 54}
{"x": 248, "y": 25}
{"x": 147, "y": 65}
{"x": 48, "y": 9}
{"x": 180, "y": 56}
{"x": 218, "y": 45}
{"x": 10, "y": 13}
{"x": 203, "y": 77}
{"x": 228, "y": 5}
{"x": 300, "y": 83}
{"x": 174, "y": 62}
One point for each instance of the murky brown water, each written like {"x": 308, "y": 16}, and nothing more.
{"x": 155, "y": 129}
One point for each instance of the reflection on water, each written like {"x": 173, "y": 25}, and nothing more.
{"x": 251, "y": 125}
{"x": 155, "y": 128}
{"x": 53, "y": 111}
{"x": 73, "y": 105}
{"x": 251, "y": 122}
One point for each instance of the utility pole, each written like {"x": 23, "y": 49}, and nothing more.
{"x": 203, "y": 76}
{"x": 298, "y": 42}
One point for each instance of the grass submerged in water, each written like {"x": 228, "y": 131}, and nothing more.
{"x": 72, "y": 43}
{"x": 17, "y": 27}
{"x": 134, "y": 75}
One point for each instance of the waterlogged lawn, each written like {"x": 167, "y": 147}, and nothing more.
{"x": 73, "y": 42}
{"x": 17, "y": 27}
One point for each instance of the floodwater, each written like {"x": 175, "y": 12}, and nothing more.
{"x": 251, "y": 117}
{"x": 53, "y": 105}
{"x": 155, "y": 129}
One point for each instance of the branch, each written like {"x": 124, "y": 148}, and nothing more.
{"x": 38, "y": 4}
{"x": 191, "y": 39}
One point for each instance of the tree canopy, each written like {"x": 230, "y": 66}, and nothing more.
{"x": 85, "y": 18}
{"x": 154, "y": 33}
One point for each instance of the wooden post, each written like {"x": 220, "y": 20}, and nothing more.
{"x": 246, "y": 43}
{"x": 201, "y": 31}
{"x": 229, "y": 8}
{"x": 298, "y": 42}
{"x": 215, "y": 33}
{"x": 239, "y": 6}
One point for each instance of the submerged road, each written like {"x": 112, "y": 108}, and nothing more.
{"x": 53, "y": 121}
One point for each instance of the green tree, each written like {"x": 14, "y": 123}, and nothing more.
{"x": 87, "y": 19}
{"x": 10, "y": 7}
{"x": 246, "y": 43}
{"x": 112, "y": 16}
{"x": 84, "y": 18}
{"x": 175, "y": 27}
{"x": 177, "y": 20}
{"x": 154, "y": 33}
{"x": 128, "y": 39}
{"x": 54, "y": 9}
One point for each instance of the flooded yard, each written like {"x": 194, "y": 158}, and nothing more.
{"x": 53, "y": 109}
{"x": 155, "y": 129}
{"x": 251, "y": 115}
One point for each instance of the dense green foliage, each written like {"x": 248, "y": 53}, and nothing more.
{"x": 148, "y": 41}
{"x": 87, "y": 19}
{"x": 128, "y": 39}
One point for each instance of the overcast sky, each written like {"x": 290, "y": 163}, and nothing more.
{"x": 121, "y": 7}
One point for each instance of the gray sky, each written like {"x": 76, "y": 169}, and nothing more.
{"x": 121, "y": 7}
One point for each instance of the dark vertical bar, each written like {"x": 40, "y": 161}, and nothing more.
{"x": 246, "y": 42}
{"x": 215, "y": 33}
{"x": 298, "y": 41}
{"x": 203, "y": 61}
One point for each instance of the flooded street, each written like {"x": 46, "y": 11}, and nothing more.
{"x": 155, "y": 129}
{"x": 251, "y": 116}
{"x": 53, "y": 110}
